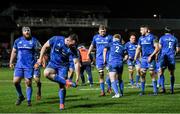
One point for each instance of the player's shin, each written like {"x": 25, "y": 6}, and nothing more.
{"x": 101, "y": 81}
{"x": 172, "y": 78}
{"x": 131, "y": 77}
{"x": 154, "y": 83}
{"x": 18, "y": 89}
{"x": 137, "y": 79}
{"x": 29, "y": 93}
{"x": 62, "y": 94}
{"x": 162, "y": 80}
{"x": 121, "y": 86}
{"x": 108, "y": 81}
{"x": 143, "y": 81}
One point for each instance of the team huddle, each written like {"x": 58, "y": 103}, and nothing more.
{"x": 111, "y": 54}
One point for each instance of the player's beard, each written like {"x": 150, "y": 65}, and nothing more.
{"x": 27, "y": 36}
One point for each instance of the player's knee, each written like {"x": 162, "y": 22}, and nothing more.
{"x": 46, "y": 73}
{"x": 143, "y": 72}
{"x": 130, "y": 71}
{"x": 101, "y": 73}
{"x": 28, "y": 82}
{"x": 15, "y": 82}
{"x": 171, "y": 72}
{"x": 62, "y": 86}
{"x": 130, "y": 68}
{"x": 151, "y": 72}
{"x": 37, "y": 79}
{"x": 151, "y": 69}
{"x": 142, "y": 78}
{"x": 160, "y": 72}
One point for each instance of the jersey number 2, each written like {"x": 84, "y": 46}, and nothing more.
{"x": 117, "y": 49}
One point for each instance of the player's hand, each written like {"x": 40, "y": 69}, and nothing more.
{"x": 11, "y": 65}
{"x": 39, "y": 61}
{"x": 36, "y": 65}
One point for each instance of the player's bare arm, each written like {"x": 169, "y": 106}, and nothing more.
{"x": 12, "y": 58}
{"x": 90, "y": 49}
{"x": 138, "y": 49}
{"x": 156, "y": 45}
{"x": 77, "y": 68}
{"x": 43, "y": 50}
{"x": 104, "y": 55}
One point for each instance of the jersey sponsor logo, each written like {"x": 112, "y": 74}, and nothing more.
{"x": 102, "y": 42}
{"x": 59, "y": 44}
{"x": 145, "y": 42}
{"x": 22, "y": 47}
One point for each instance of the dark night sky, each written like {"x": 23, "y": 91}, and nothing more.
{"x": 124, "y": 9}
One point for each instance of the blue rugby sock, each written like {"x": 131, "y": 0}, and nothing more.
{"x": 29, "y": 93}
{"x": 102, "y": 86}
{"x": 162, "y": 81}
{"x": 132, "y": 81}
{"x": 137, "y": 79}
{"x": 143, "y": 86}
{"x": 108, "y": 81}
{"x": 154, "y": 83}
{"x": 62, "y": 94}
{"x": 115, "y": 87}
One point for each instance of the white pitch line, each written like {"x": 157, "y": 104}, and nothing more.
{"x": 90, "y": 89}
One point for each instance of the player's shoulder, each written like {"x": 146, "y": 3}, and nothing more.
{"x": 57, "y": 38}
{"x": 152, "y": 36}
{"x": 141, "y": 37}
{"x": 127, "y": 43}
{"x": 96, "y": 35}
{"x": 19, "y": 39}
{"x": 34, "y": 38}
{"x": 109, "y": 35}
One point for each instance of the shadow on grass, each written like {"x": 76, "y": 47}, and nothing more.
{"x": 94, "y": 105}
{"x": 55, "y": 100}
{"x": 56, "y": 97}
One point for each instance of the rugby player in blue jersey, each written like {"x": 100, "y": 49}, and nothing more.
{"x": 57, "y": 69}
{"x": 99, "y": 41}
{"x": 148, "y": 46}
{"x": 168, "y": 45}
{"x": 24, "y": 49}
{"x": 130, "y": 48}
{"x": 116, "y": 55}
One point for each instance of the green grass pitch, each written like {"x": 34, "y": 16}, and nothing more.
{"x": 84, "y": 99}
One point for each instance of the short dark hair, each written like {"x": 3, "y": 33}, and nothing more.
{"x": 74, "y": 36}
{"x": 132, "y": 34}
{"x": 145, "y": 26}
